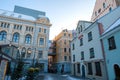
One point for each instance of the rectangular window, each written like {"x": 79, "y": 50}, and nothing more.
{"x": 5, "y": 25}
{"x": 78, "y": 68}
{"x": 32, "y": 29}
{"x": 82, "y": 55}
{"x": 8, "y": 25}
{"x": 65, "y": 50}
{"x": 69, "y": 50}
{"x": 64, "y": 34}
{"x": 1, "y": 24}
{"x": 73, "y": 58}
{"x": 65, "y": 58}
{"x": 45, "y": 31}
{"x": 14, "y": 26}
{"x": 40, "y": 54}
{"x": 27, "y": 28}
{"x": 89, "y": 36}
{"x": 17, "y": 27}
{"x": 20, "y": 27}
{"x": 91, "y": 52}
{"x": 90, "y": 69}
{"x": 41, "y": 41}
{"x": 73, "y": 46}
{"x": 69, "y": 57}
{"x": 111, "y": 42}
{"x": 98, "y": 69}
{"x": 39, "y": 29}
{"x": 81, "y": 41}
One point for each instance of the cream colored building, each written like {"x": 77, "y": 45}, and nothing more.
{"x": 29, "y": 32}
{"x": 103, "y": 7}
{"x": 63, "y": 57}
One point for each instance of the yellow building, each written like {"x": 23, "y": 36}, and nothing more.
{"x": 63, "y": 57}
{"x": 103, "y": 7}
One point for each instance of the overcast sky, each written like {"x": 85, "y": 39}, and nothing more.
{"x": 62, "y": 13}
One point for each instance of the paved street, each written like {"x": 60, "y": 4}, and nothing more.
{"x": 48, "y": 76}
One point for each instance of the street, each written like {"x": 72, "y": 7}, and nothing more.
{"x": 49, "y": 76}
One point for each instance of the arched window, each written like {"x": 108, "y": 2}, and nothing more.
{"x": 23, "y": 52}
{"x": 3, "y": 35}
{"x": 28, "y": 39}
{"x": 29, "y": 52}
{"x": 16, "y": 37}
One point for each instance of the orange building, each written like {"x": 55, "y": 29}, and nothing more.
{"x": 63, "y": 58}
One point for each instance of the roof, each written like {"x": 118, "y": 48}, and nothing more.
{"x": 16, "y": 15}
{"x": 114, "y": 25}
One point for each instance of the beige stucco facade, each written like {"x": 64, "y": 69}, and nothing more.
{"x": 31, "y": 36}
{"x": 103, "y": 7}
{"x": 63, "y": 49}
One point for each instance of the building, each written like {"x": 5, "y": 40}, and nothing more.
{"x": 8, "y": 56}
{"x": 110, "y": 39}
{"x": 29, "y": 32}
{"x": 87, "y": 50}
{"x": 63, "y": 57}
{"x": 103, "y": 7}
{"x": 87, "y": 57}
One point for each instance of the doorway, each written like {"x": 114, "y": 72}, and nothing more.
{"x": 117, "y": 72}
{"x": 83, "y": 71}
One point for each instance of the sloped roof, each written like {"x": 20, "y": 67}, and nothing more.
{"x": 114, "y": 25}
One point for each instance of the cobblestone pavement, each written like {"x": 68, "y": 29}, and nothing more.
{"x": 48, "y": 76}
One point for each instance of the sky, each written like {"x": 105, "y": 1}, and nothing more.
{"x": 63, "y": 14}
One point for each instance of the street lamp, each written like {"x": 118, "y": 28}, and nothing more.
{"x": 34, "y": 55}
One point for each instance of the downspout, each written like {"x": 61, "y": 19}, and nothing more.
{"x": 101, "y": 30}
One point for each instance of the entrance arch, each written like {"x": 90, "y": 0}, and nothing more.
{"x": 117, "y": 71}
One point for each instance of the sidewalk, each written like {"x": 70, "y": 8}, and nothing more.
{"x": 72, "y": 77}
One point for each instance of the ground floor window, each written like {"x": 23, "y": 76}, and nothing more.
{"x": 78, "y": 68}
{"x": 98, "y": 69}
{"x": 90, "y": 72}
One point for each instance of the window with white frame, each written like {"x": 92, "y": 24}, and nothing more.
{"x": 92, "y": 54}
{"x": 28, "y": 39}
{"x": 41, "y": 41}
{"x": 89, "y": 36}
{"x": 3, "y": 35}
{"x": 16, "y": 37}
{"x": 45, "y": 31}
